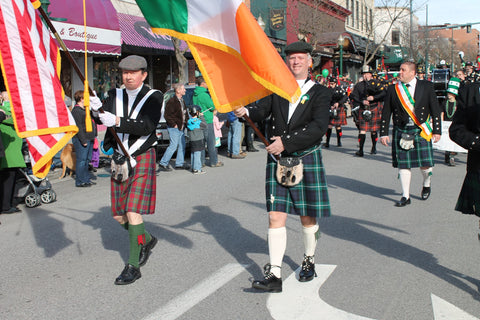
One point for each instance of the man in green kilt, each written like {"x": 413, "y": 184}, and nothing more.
{"x": 133, "y": 112}
{"x": 416, "y": 123}
{"x": 296, "y": 130}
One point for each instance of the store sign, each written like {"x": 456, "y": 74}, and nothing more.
{"x": 277, "y": 19}
{"x": 75, "y": 32}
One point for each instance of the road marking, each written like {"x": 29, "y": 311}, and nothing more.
{"x": 300, "y": 300}
{"x": 184, "y": 302}
{"x": 444, "y": 310}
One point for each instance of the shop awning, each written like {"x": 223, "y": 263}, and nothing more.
{"x": 136, "y": 32}
{"x": 395, "y": 55}
{"x": 103, "y": 30}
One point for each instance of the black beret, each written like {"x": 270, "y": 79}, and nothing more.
{"x": 299, "y": 47}
{"x": 133, "y": 63}
{"x": 469, "y": 63}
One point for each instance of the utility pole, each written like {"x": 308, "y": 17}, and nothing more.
{"x": 411, "y": 26}
{"x": 426, "y": 41}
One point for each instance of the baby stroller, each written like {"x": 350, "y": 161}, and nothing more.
{"x": 30, "y": 189}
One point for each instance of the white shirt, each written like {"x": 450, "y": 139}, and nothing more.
{"x": 411, "y": 86}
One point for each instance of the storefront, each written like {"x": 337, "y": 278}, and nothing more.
{"x": 103, "y": 42}
{"x": 138, "y": 38}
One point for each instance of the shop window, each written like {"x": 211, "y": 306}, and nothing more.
{"x": 395, "y": 37}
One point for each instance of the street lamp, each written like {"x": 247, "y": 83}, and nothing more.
{"x": 340, "y": 44}
{"x": 382, "y": 65}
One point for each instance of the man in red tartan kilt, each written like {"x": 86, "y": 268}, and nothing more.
{"x": 368, "y": 95}
{"x": 133, "y": 112}
{"x": 338, "y": 115}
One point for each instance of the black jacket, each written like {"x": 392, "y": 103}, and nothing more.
{"x": 78, "y": 114}
{"x": 465, "y": 131}
{"x": 364, "y": 89}
{"x": 308, "y": 124}
{"x": 144, "y": 125}
{"x": 425, "y": 104}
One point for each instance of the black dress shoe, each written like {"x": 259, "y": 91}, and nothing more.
{"x": 374, "y": 150}
{"x": 308, "y": 269}
{"x": 403, "y": 202}
{"x": 359, "y": 153}
{"x": 270, "y": 283}
{"x": 425, "y": 193}
{"x": 83, "y": 185}
{"x": 11, "y": 210}
{"x": 146, "y": 250}
{"x": 128, "y": 275}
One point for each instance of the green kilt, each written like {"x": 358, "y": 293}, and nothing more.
{"x": 308, "y": 198}
{"x": 469, "y": 199}
{"x": 420, "y": 156}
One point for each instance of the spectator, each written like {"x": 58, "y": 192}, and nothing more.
{"x": 234, "y": 137}
{"x": 175, "y": 116}
{"x": 196, "y": 127}
{"x": 82, "y": 142}
{"x": 218, "y": 129}
{"x": 12, "y": 159}
{"x": 202, "y": 98}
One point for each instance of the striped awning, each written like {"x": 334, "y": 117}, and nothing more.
{"x": 135, "y": 31}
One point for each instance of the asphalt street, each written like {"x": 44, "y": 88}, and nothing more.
{"x": 374, "y": 260}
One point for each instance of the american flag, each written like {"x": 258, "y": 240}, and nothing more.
{"x": 30, "y": 62}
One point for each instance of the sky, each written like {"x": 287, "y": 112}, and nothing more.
{"x": 444, "y": 11}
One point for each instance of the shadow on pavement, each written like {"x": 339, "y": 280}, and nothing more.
{"x": 354, "y": 230}
{"x": 235, "y": 239}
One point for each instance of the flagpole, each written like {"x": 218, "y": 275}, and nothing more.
{"x": 79, "y": 73}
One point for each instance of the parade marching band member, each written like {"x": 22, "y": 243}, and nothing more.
{"x": 338, "y": 115}
{"x": 413, "y": 104}
{"x": 134, "y": 113}
{"x": 368, "y": 95}
{"x": 296, "y": 131}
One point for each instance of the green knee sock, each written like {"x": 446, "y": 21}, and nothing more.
{"x": 138, "y": 237}
{"x": 124, "y": 225}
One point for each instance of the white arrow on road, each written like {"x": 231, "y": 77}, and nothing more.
{"x": 443, "y": 310}
{"x": 300, "y": 300}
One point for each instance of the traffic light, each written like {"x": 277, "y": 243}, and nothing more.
{"x": 469, "y": 28}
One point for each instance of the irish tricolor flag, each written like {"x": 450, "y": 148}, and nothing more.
{"x": 237, "y": 60}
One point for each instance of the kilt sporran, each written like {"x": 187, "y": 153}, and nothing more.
{"x": 289, "y": 171}
{"x": 407, "y": 141}
{"x": 121, "y": 167}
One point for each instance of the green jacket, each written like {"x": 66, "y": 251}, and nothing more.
{"x": 202, "y": 99}
{"x": 11, "y": 142}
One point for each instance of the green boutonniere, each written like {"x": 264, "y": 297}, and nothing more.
{"x": 304, "y": 98}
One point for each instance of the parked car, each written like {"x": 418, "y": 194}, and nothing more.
{"x": 163, "y": 138}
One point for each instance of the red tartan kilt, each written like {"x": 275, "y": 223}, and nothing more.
{"x": 341, "y": 120}
{"x": 374, "y": 123}
{"x": 138, "y": 193}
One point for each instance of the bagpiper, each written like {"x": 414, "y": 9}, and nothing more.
{"x": 368, "y": 96}
{"x": 338, "y": 115}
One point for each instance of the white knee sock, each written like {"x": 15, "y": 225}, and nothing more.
{"x": 310, "y": 239}
{"x": 427, "y": 175}
{"x": 405, "y": 177}
{"x": 277, "y": 243}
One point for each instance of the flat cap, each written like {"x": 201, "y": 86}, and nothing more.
{"x": 133, "y": 63}
{"x": 299, "y": 47}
